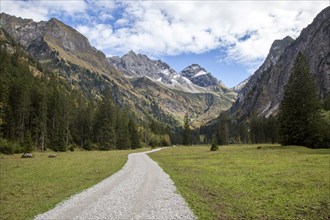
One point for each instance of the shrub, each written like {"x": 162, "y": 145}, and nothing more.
{"x": 165, "y": 140}
{"x": 9, "y": 147}
{"x": 214, "y": 146}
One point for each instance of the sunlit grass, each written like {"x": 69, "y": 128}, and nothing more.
{"x": 34, "y": 185}
{"x": 243, "y": 182}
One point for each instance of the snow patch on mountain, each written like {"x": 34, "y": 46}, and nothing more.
{"x": 200, "y": 73}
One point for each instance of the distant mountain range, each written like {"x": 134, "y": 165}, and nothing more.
{"x": 151, "y": 89}
{"x": 193, "y": 79}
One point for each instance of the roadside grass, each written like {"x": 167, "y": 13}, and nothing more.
{"x": 34, "y": 185}
{"x": 243, "y": 182}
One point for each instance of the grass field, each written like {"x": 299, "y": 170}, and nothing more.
{"x": 243, "y": 182}
{"x": 34, "y": 185}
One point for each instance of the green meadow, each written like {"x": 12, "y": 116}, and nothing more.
{"x": 34, "y": 185}
{"x": 244, "y": 182}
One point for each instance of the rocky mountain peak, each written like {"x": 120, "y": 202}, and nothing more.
{"x": 54, "y": 40}
{"x": 131, "y": 53}
{"x": 139, "y": 65}
{"x": 194, "y": 70}
{"x": 199, "y": 76}
{"x": 66, "y": 37}
{"x": 19, "y": 27}
{"x": 276, "y": 50}
{"x": 278, "y": 46}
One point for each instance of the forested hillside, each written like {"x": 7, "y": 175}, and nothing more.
{"x": 40, "y": 110}
{"x": 63, "y": 50}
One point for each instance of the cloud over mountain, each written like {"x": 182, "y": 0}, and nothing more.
{"x": 171, "y": 28}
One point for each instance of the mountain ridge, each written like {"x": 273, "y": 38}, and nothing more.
{"x": 262, "y": 94}
{"x": 139, "y": 65}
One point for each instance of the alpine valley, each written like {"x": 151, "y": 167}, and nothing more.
{"x": 152, "y": 90}
{"x": 87, "y": 136}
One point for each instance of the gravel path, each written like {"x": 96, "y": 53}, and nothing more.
{"x": 140, "y": 190}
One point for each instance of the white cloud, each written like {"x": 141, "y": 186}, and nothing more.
{"x": 171, "y": 28}
{"x": 42, "y": 9}
{"x": 244, "y": 30}
{"x": 22, "y": 9}
{"x": 121, "y": 22}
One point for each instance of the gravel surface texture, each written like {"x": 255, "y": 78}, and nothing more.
{"x": 140, "y": 190}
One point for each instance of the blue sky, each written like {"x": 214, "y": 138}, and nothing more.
{"x": 230, "y": 39}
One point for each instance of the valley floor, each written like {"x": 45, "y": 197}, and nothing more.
{"x": 34, "y": 185}
{"x": 251, "y": 181}
{"x": 140, "y": 190}
{"x": 236, "y": 182}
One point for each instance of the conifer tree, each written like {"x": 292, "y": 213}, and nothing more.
{"x": 326, "y": 102}
{"x": 105, "y": 123}
{"x": 299, "y": 114}
{"x": 134, "y": 134}
{"x": 123, "y": 141}
{"x": 214, "y": 145}
{"x": 83, "y": 127}
{"x": 4, "y": 91}
{"x": 243, "y": 132}
{"x": 27, "y": 143}
{"x": 223, "y": 129}
{"x": 186, "y": 137}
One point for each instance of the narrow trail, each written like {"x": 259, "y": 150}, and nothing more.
{"x": 140, "y": 190}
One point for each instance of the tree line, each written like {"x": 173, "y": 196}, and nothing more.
{"x": 39, "y": 110}
{"x": 229, "y": 130}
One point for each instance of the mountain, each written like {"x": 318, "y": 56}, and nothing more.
{"x": 138, "y": 65}
{"x": 143, "y": 88}
{"x": 263, "y": 92}
{"x": 193, "y": 79}
{"x": 199, "y": 76}
{"x": 42, "y": 38}
{"x": 175, "y": 92}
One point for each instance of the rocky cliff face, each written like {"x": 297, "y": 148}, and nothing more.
{"x": 53, "y": 40}
{"x": 138, "y": 65}
{"x": 264, "y": 91}
{"x": 240, "y": 85}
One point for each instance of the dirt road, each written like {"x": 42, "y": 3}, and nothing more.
{"x": 140, "y": 190}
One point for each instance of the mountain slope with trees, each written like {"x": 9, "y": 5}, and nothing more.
{"x": 65, "y": 52}
{"x": 39, "y": 110}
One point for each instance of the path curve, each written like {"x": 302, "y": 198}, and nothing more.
{"x": 140, "y": 190}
